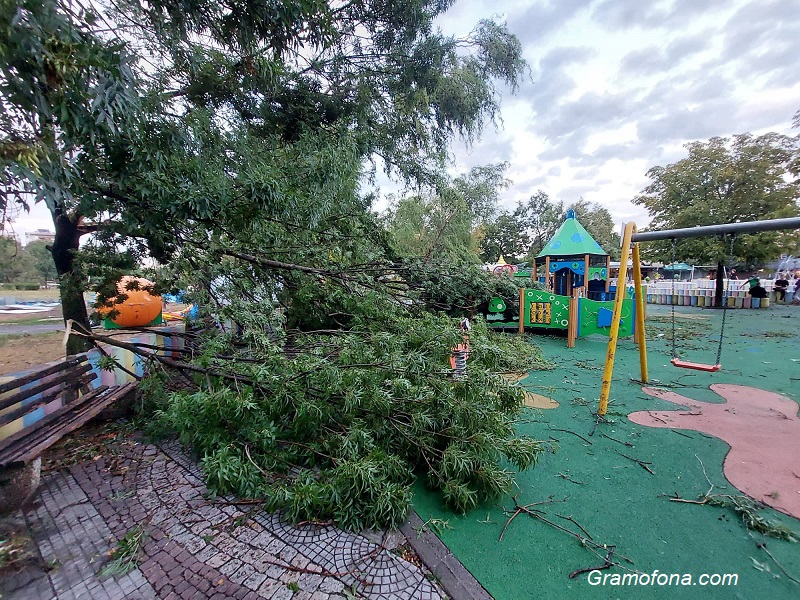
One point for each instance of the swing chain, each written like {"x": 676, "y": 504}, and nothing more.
{"x": 673, "y": 299}
{"x": 725, "y": 305}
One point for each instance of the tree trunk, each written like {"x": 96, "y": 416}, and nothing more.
{"x": 719, "y": 287}
{"x": 65, "y": 244}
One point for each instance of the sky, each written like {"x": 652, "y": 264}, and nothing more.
{"x": 618, "y": 87}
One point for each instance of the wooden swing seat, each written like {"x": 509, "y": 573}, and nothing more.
{"x": 685, "y": 364}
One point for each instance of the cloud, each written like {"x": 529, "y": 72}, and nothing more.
{"x": 625, "y": 14}
{"x": 494, "y": 147}
{"x": 583, "y": 114}
{"x": 654, "y": 59}
{"x": 542, "y": 18}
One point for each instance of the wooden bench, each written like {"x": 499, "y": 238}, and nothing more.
{"x": 69, "y": 381}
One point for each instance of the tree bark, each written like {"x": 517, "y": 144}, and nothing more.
{"x": 71, "y": 285}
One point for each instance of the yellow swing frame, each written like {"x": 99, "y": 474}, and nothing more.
{"x": 639, "y": 334}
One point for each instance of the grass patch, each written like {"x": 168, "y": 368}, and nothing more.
{"x": 11, "y": 337}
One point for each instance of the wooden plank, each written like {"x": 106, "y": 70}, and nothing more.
{"x": 20, "y": 381}
{"x": 7, "y": 445}
{"x": 72, "y": 422}
{"x": 29, "y": 442}
{"x": 45, "y": 399}
{"x": 65, "y": 376}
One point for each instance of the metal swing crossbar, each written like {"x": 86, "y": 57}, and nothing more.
{"x": 630, "y": 249}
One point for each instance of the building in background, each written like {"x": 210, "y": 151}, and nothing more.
{"x": 42, "y": 235}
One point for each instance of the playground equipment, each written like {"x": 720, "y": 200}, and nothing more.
{"x": 139, "y": 309}
{"x": 576, "y": 298}
{"x": 630, "y": 246}
{"x": 572, "y": 260}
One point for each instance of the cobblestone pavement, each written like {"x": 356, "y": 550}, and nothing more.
{"x": 193, "y": 546}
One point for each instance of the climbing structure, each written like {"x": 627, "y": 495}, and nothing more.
{"x": 574, "y": 260}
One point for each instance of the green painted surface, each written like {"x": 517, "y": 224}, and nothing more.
{"x": 601, "y": 271}
{"x": 589, "y": 312}
{"x": 545, "y": 310}
{"x": 571, "y": 239}
{"x": 617, "y": 501}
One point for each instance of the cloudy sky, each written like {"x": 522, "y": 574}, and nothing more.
{"x": 618, "y": 86}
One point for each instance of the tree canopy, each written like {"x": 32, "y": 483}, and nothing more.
{"x": 725, "y": 180}
{"x": 520, "y": 235}
{"x": 228, "y": 141}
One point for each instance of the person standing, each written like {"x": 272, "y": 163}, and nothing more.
{"x": 781, "y": 285}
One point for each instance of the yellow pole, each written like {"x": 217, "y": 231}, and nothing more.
{"x": 640, "y": 308}
{"x": 522, "y": 310}
{"x": 615, "y": 319}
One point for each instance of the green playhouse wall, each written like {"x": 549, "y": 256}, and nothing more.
{"x": 546, "y": 310}
{"x": 592, "y": 317}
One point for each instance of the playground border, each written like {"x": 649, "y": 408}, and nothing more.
{"x": 453, "y": 576}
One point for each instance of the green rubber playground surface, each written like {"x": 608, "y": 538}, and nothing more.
{"x": 613, "y": 498}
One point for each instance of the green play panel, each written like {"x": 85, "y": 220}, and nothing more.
{"x": 613, "y": 498}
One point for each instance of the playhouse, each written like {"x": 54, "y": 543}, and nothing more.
{"x": 579, "y": 304}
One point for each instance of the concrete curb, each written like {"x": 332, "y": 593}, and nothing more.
{"x": 456, "y": 580}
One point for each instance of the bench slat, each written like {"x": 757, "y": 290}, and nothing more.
{"x": 73, "y": 421}
{"x": 69, "y": 361}
{"x": 65, "y": 376}
{"x": 45, "y": 399}
{"x": 7, "y": 445}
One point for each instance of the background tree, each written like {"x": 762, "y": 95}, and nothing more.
{"x": 451, "y": 221}
{"x": 744, "y": 178}
{"x": 598, "y": 222}
{"x": 42, "y": 260}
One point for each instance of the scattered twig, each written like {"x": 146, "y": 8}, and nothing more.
{"x": 628, "y": 444}
{"x": 607, "y": 564}
{"x": 652, "y": 416}
{"x": 526, "y": 508}
{"x": 573, "y": 433}
{"x": 681, "y": 433}
{"x": 578, "y": 525}
{"x": 570, "y": 479}
{"x": 641, "y": 463}
{"x": 763, "y": 546}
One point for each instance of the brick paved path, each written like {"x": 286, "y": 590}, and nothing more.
{"x": 194, "y": 547}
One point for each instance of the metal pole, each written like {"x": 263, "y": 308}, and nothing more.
{"x": 613, "y": 334}
{"x": 691, "y": 232}
{"x": 640, "y": 301}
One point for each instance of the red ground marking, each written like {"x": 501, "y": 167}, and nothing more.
{"x": 763, "y": 430}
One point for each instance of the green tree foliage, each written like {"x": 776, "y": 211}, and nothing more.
{"x": 522, "y": 233}
{"x": 42, "y": 260}
{"x": 449, "y": 222}
{"x": 745, "y": 178}
{"x": 15, "y": 265}
{"x": 65, "y": 93}
{"x": 598, "y": 222}
{"x": 227, "y": 140}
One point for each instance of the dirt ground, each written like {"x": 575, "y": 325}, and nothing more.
{"x": 23, "y": 351}
{"x": 20, "y": 352}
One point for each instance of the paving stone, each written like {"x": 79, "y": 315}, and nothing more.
{"x": 78, "y": 515}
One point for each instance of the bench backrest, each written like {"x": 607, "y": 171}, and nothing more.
{"x": 46, "y": 388}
